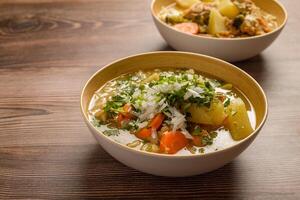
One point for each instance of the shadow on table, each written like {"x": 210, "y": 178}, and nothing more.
{"x": 105, "y": 177}
{"x": 164, "y": 47}
{"x": 257, "y": 67}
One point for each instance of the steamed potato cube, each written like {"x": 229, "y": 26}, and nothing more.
{"x": 216, "y": 23}
{"x": 228, "y": 9}
{"x": 215, "y": 115}
{"x": 186, "y": 3}
{"x": 238, "y": 121}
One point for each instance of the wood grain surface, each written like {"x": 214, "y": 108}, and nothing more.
{"x": 49, "y": 48}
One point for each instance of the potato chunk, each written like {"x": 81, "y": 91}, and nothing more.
{"x": 186, "y": 3}
{"x": 215, "y": 115}
{"x": 216, "y": 23}
{"x": 238, "y": 121}
{"x": 228, "y": 9}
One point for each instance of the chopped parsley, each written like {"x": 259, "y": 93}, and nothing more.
{"x": 197, "y": 131}
{"x": 201, "y": 150}
{"x": 111, "y": 132}
{"x": 213, "y": 134}
{"x": 227, "y": 102}
{"x": 206, "y": 140}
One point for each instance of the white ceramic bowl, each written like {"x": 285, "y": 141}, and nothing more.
{"x": 229, "y": 49}
{"x": 175, "y": 165}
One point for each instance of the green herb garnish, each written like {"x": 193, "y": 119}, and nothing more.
{"x": 111, "y": 132}
{"x": 227, "y": 102}
{"x": 201, "y": 150}
{"x": 206, "y": 140}
{"x": 213, "y": 134}
{"x": 197, "y": 131}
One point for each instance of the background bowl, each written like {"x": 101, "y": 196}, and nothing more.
{"x": 229, "y": 49}
{"x": 175, "y": 165}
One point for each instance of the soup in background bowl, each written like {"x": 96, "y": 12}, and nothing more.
{"x": 173, "y": 113}
{"x": 218, "y": 18}
{"x": 240, "y": 37}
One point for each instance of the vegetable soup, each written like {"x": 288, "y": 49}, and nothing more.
{"x": 172, "y": 112}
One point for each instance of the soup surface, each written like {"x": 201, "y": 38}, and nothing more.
{"x": 218, "y": 18}
{"x": 172, "y": 112}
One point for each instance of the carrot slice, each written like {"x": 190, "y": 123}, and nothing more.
{"x": 188, "y": 27}
{"x": 157, "y": 121}
{"x": 120, "y": 119}
{"x": 124, "y": 116}
{"x": 144, "y": 133}
{"x": 127, "y": 107}
{"x": 171, "y": 142}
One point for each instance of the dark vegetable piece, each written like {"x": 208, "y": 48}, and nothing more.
{"x": 238, "y": 21}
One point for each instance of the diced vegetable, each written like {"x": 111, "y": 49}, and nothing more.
{"x": 238, "y": 21}
{"x": 204, "y": 138}
{"x": 238, "y": 121}
{"x": 186, "y": 3}
{"x": 122, "y": 120}
{"x": 215, "y": 115}
{"x": 228, "y": 9}
{"x": 125, "y": 116}
{"x": 157, "y": 121}
{"x": 174, "y": 18}
{"x": 216, "y": 23}
{"x": 188, "y": 27}
{"x": 197, "y": 141}
{"x": 172, "y": 142}
{"x": 127, "y": 109}
{"x": 144, "y": 133}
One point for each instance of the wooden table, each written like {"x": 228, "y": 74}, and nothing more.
{"x": 48, "y": 49}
